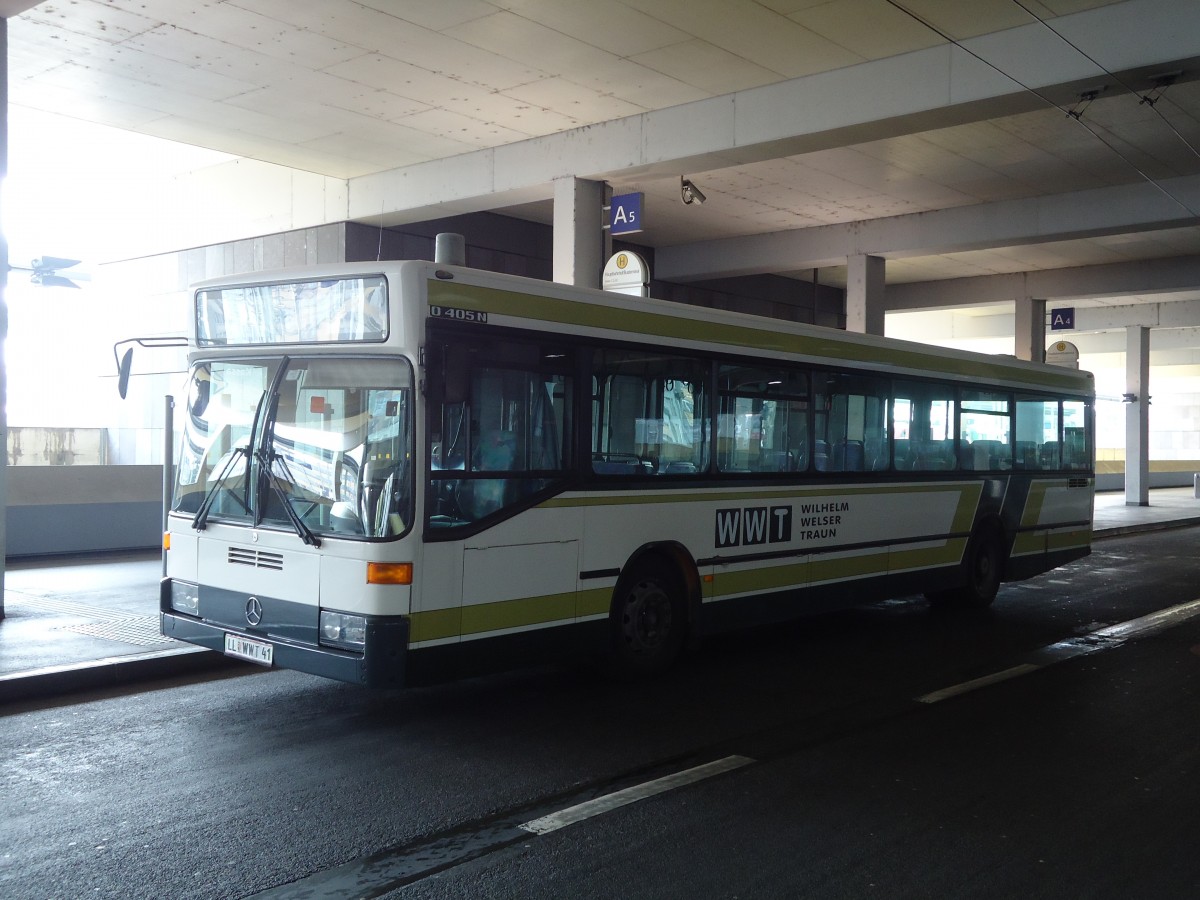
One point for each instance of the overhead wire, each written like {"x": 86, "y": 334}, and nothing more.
{"x": 1113, "y": 75}
{"x": 1073, "y": 115}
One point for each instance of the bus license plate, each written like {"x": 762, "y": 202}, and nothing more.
{"x": 244, "y": 648}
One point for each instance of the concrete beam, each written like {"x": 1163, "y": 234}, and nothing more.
{"x": 1152, "y": 276}
{"x": 1179, "y": 341}
{"x": 932, "y": 88}
{"x": 1176, "y": 314}
{"x": 1115, "y": 210}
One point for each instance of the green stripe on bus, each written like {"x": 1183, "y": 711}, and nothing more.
{"x": 928, "y": 557}
{"x": 967, "y": 502}
{"x": 1028, "y": 542}
{"x": 434, "y": 624}
{"x": 1035, "y": 501}
{"x": 771, "y": 578}
{"x": 523, "y": 612}
{"x": 1066, "y": 540}
{"x": 594, "y": 602}
{"x": 823, "y": 570}
{"x": 655, "y": 324}
{"x": 519, "y": 613}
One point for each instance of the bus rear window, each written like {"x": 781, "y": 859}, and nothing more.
{"x": 329, "y": 311}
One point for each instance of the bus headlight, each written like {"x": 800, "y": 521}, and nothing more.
{"x": 185, "y": 597}
{"x": 343, "y": 629}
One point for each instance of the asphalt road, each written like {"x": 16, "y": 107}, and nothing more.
{"x": 828, "y": 763}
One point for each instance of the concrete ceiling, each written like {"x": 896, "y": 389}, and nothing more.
{"x": 371, "y": 90}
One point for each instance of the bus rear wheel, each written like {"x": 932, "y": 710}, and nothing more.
{"x": 983, "y": 568}
{"x": 647, "y": 623}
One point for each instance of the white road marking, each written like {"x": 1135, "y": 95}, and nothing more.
{"x": 1092, "y": 642}
{"x": 617, "y": 799}
{"x": 976, "y": 683}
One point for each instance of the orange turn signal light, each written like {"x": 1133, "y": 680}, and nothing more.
{"x": 389, "y": 573}
{"x": 166, "y": 540}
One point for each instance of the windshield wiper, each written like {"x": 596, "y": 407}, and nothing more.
{"x": 200, "y": 521}
{"x": 265, "y": 462}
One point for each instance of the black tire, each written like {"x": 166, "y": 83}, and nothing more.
{"x": 647, "y": 623}
{"x": 983, "y": 567}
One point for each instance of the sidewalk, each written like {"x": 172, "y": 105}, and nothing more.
{"x": 77, "y": 623}
{"x": 89, "y": 622}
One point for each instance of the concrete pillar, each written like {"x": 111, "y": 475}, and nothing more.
{"x": 865, "y": 279}
{"x": 1029, "y": 332}
{"x": 3, "y": 310}
{"x": 1137, "y": 416}
{"x": 578, "y": 231}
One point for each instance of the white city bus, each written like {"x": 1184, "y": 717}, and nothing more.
{"x": 404, "y": 471}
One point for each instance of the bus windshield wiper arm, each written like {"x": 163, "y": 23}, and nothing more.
{"x": 200, "y": 520}
{"x": 265, "y": 460}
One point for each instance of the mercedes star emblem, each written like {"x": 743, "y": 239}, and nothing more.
{"x": 253, "y": 610}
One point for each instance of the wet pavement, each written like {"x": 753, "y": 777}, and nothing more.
{"x": 80, "y": 623}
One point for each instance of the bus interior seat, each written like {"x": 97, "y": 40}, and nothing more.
{"x": 617, "y": 464}
{"x": 821, "y": 455}
{"x": 853, "y": 456}
{"x": 616, "y": 467}
{"x": 876, "y": 453}
{"x": 935, "y": 456}
{"x": 984, "y": 455}
{"x": 776, "y": 461}
{"x": 680, "y": 467}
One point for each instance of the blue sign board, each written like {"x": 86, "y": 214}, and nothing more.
{"x": 1062, "y": 319}
{"x": 625, "y": 214}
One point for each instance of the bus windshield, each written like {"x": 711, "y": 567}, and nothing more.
{"x": 319, "y": 445}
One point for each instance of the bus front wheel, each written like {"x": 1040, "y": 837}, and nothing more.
{"x": 647, "y": 623}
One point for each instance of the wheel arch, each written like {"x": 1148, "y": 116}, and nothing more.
{"x": 668, "y": 556}
{"x": 991, "y": 525}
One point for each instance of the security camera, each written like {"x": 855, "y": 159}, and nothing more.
{"x": 689, "y": 193}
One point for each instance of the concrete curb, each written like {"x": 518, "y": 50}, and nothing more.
{"x": 1143, "y": 527}
{"x": 112, "y": 671}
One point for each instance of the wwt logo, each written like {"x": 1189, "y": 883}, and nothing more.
{"x": 753, "y": 525}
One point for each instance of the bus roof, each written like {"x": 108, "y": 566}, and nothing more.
{"x": 528, "y": 302}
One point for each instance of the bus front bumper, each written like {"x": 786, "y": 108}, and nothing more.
{"x": 380, "y": 664}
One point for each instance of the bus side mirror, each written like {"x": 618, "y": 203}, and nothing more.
{"x": 123, "y": 368}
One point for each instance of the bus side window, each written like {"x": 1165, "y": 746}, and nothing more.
{"x": 503, "y": 429}
{"x": 923, "y": 426}
{"x": 649, "y": 414}
{"x": 1077, "y": 452}
{"x": 1037, "y": 425}
{"x": 985, "y": 419}
{"x": 852, "y": 419}
{"x": 762, "y": 421}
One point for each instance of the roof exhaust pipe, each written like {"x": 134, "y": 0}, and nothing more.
{"x": 450, "y": 250}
